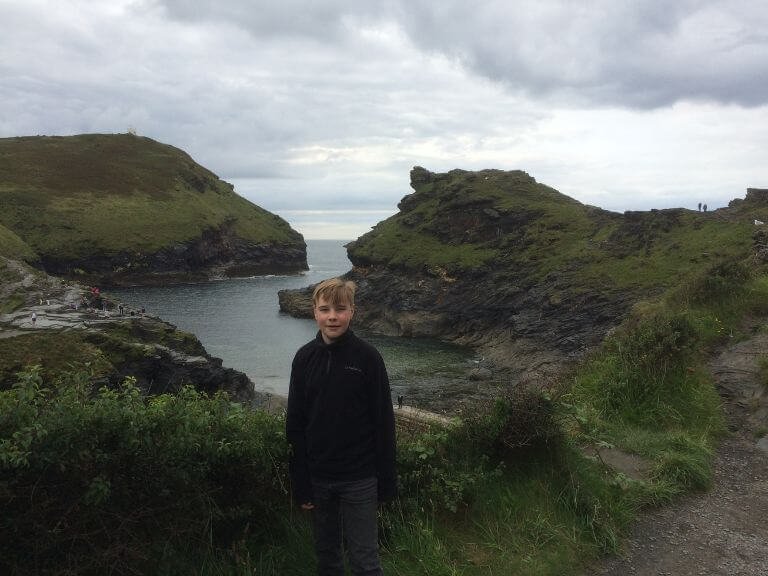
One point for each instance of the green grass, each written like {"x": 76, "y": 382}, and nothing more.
{"x": 11, "y": 246}
{"x": 55, "y": 351}
{"x": 421, "y": 251}
{"x": 99, "y": 351}
{"x": 694, "y": 242}
{"x": 531, "y": 520}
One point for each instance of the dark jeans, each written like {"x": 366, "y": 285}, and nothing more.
{"x": 346, "y": 512}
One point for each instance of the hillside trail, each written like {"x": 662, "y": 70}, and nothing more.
{"x": 723, "y": 532}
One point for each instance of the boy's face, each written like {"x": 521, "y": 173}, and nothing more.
{"x": 332, "y": 319}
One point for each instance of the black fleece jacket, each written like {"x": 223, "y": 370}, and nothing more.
{"x": 340, "y": 423}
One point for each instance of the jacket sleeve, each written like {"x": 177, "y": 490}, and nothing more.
{"x": 295, "y": 432}
{"x": 385, "y": 435}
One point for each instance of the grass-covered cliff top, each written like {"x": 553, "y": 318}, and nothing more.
{"x": 73, "y": 196}
{"x": 494, "y": 220}
{"x": 11, "y": 246}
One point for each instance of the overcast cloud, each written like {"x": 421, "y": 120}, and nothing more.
{"x": 318, "y": 110}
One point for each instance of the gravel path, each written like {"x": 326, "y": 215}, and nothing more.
{"x": 723, "y": 532}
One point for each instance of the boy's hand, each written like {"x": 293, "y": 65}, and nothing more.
{"x": 307, "y": 506}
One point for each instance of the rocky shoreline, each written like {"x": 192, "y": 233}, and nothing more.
{"x": 217, "y": 253}
{"x": 159, "y": 356}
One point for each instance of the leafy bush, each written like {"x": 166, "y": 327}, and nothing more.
{"x": 111, "y": 481}
{"x": 436, "y": 470}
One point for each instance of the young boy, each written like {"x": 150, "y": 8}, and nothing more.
{"x": 340, "y": 426}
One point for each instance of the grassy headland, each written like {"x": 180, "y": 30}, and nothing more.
{"x": 467, "y": 221}
{"x": 81, "y": 199}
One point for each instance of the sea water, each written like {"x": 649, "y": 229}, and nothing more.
{"x": 239, "y": 321}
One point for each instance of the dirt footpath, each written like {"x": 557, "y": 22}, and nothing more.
{"x": 725, "y": 531}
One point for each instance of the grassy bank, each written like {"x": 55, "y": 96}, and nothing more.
{"x": 95, "y": 481}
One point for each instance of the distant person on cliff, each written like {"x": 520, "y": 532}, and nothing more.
{"x": 340, "y": 426}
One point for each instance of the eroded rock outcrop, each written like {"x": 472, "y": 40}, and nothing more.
{"x": 529, "y": 276}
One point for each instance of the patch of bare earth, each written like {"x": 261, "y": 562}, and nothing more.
{"x": 723, "y": 532}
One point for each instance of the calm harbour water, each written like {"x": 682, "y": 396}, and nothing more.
{"x": 238, "y": 320}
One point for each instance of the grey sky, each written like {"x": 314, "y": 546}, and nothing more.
{"x": 318, "y": 110}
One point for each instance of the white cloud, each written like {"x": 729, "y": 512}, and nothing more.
{"x": 308, "y": 106}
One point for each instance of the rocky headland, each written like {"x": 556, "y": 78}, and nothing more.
{"x": 119, "y": 209}
{"x": 531, "y": 278}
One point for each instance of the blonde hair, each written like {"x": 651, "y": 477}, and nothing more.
{"x": 335, "y": 291}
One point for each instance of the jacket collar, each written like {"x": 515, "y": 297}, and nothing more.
{"x": 340, "y": 341}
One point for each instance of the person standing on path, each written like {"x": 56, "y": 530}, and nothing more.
{"x": 341, "y": 430}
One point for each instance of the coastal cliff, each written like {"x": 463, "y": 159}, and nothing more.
{"x": 122, "y": 209}
{"x": 528, "y": 276}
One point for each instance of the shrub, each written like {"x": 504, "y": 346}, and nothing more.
{"x": 643, "y": 369}
{"x": 714, "y": 285}
{"x": 442, "y": 468}
{"x": 435, "y": 472}
{"x": 111, "y": 481}
{"x": 522, "y": 419}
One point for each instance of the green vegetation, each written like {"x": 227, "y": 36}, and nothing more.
{"x": 112, "y": 482}
{"x": 422, "y": 250}
{"x": 75, "y": 197}
{"x": 100, "y": 351}
{"x": 96, "y": 480}
{"x": 53, "y": 352}
{"x": 11, "y": 246}
{"x": 518, "y": 488}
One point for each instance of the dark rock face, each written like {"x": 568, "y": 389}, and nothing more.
{"x": 162, "y": 359}
{"x": 757, "y": 195}
{"x": 218, "y": 252}
{"x": 516, "y": 327}
{"x": 157, "y": 354}
{"x": 165, "y": 370}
